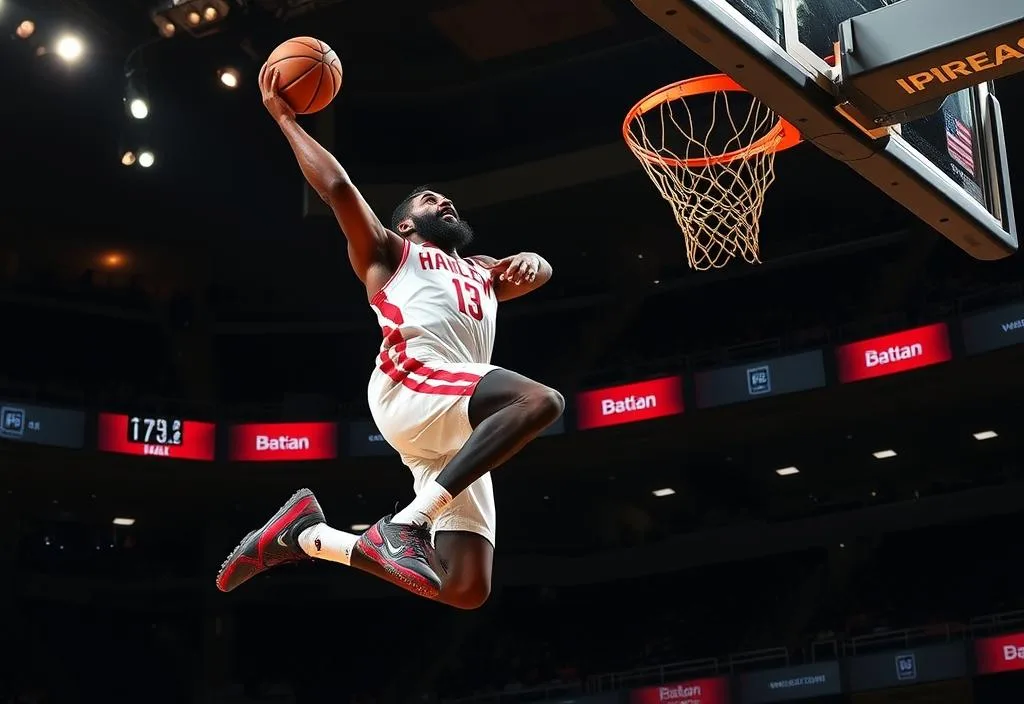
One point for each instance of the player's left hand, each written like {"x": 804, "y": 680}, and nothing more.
{"x": 517, "y": 269}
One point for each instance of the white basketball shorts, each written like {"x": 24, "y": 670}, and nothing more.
{"x": 427, "y": 422}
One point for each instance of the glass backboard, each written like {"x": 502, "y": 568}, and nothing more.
{"x": 809, "y": 30}
{"x": 956, "y": 154}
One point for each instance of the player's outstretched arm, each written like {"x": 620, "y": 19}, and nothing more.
{"x": 517, "y": 275}
{"x": 369, "y": 242}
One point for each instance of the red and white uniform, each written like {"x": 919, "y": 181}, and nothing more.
{"x": 437, "y": 314}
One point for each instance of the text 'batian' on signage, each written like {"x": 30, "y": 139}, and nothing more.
{"x": 629, "y": 403}
{"x": 281, "y": 442}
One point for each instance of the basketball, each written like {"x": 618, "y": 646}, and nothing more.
{"x": 310, "y": 73}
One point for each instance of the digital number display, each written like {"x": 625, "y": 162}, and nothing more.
{"x": 174, "y": 438}
{"x": 156, "y": 431}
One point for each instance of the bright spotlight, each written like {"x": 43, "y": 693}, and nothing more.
{"x": 194, "y": 18}
{"x": 128, "y": 158}
{"x": 210, "y": 14}
{"x": 70, "y": 48}
{"x": 167, "y": 29}
{"x": 139, "y": 108}
{"x": 26, "y": 29}
{"x": 229, "y": 77}
{"x": 146, "y": 159}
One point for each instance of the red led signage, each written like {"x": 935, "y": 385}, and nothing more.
{"x": 710, "y": 690}
{"x": 156, "y": 436}
{"x": 892, "y": 354}
{"x": 629, "y": 403}
{"x": 276, "y": 442}
{"x": 1000, "y": 653}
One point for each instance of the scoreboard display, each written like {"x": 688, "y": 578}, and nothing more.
{"x": 156, "y": 436}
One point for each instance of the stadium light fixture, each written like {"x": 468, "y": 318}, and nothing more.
{"x": 25, "y": 29}
{"x": 146, "y": 159}
{"x": 667, "y": 491}
{"x": 884, "y": 454}
{"x": 70, "y": 48}
{"x": 787, "y": 471}
{"x": 138, "y": 108}
{"x": 986, "y": 435}
{"x": 228, "y": 77}
{"x": 124, "y": 521}
{"x": 195, "y": 17}
{"x": 359, "y": 526}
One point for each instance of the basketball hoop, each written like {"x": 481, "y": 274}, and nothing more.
{"x": 715, "y": 176}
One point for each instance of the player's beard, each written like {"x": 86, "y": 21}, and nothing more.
{"x": 446, "y": 235}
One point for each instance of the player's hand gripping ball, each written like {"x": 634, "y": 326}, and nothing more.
{"x": 302, "y": 76}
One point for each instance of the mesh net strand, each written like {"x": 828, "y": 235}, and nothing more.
{"x": 716, "y": 193}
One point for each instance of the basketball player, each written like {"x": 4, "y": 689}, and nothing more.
{"x": 433, "y": 393}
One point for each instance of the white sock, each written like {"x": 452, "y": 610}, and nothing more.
{"x": 426, "y": 507}
{"x": 325, "y": 543}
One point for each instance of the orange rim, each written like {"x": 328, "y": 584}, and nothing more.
{"x": 781, "y": 137}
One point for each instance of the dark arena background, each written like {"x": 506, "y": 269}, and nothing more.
{"x": 785, "y": 521}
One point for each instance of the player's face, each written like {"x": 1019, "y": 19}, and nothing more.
{"x": 437, "y": 221}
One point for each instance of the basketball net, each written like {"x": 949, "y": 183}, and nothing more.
{"x": 709, "y": 148}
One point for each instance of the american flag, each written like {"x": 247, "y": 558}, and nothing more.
{"x": 960, "y": 143}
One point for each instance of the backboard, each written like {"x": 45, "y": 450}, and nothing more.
{"x": 949, "y": 168}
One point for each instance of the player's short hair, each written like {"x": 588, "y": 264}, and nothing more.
{"x": 402, "y": 209}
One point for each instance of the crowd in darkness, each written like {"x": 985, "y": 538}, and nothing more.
{"x": 534, "y": 642}
{"x": 133, "y": 342}
{"x": 133, "y": 345}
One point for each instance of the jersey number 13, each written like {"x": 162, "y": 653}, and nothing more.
{"x": 469, "y": 299}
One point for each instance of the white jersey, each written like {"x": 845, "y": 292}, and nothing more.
{"x": 435, "y": 308}
{"x": 437, "y": 314}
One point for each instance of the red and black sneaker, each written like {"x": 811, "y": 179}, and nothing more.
{"x": 276, "y": 543}
{"x": 405, "y": 553}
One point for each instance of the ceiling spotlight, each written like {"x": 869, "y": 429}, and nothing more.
{"x": 229, "y": 77}
{"x": 787, "y": 471}
{"x": 210, "y": 14}
{"x": 146, "y": 159}
{"x": 139, "y": 108}
{"x": 26, "y": 29}
{"x": 360, "y": 526}
{"x": 128, "y": 158}
{"x": 884, "y": 454}
{"x": 986, "y": 435}
{"x": 194, "y": 18}
{"x": 124, "y": 521}
{"x": 167, "y": 29}
{"x": 663, "y": 492}
{"x": 70, "y": 48}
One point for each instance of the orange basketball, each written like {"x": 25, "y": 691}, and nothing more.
{"x": 310, "y": 73}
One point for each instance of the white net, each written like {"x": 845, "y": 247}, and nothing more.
{"x": 712, "y": 157}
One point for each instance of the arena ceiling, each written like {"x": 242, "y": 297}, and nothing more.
{"x": 442, "y": 92}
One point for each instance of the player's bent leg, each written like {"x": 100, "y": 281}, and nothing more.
{"x": 507, "y": 410}
{"x": 467, "y": 561}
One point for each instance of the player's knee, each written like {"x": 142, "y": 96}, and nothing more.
{"x": 545, "y": 404}
{"x": 467, "y": 594}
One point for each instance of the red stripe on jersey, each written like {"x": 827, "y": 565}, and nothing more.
{"x": 400, "y": 367}
{"x": 406, "y": 365}
{"x": 406, "y": 247}
{"x": 391, "y": 312}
